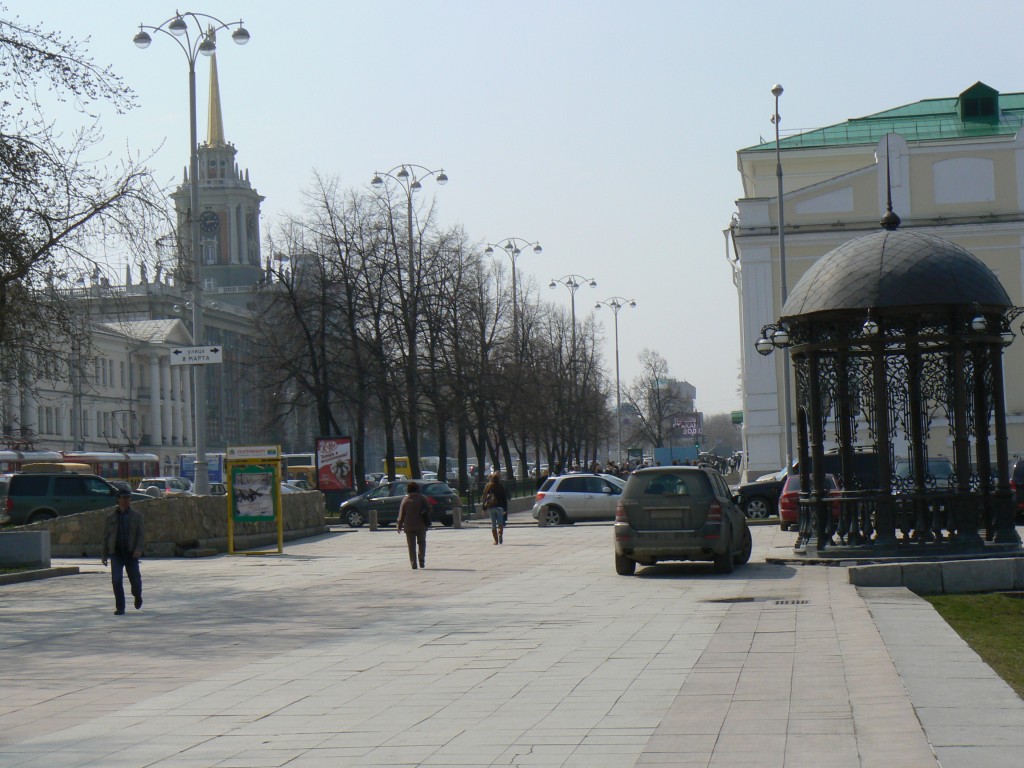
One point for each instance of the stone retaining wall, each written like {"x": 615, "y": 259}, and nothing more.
{"x": 177, "y": 524}
{"x": 997, "y": 574}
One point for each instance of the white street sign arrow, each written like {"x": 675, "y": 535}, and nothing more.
{"x": 196, "y": 355}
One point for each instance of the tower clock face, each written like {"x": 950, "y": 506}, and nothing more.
{"x": 209, "y": 222}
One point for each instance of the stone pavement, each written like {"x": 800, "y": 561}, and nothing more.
{"x": 533, "y": 653}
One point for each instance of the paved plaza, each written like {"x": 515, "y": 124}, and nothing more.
{"x": 533, "y": 653}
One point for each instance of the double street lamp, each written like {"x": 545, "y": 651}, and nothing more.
{"x": 405, "y": 176}
{"x": 195, "y": 33}
{"x": 513, "y": 246}
{"x": 573, "y": 283}
{"x": 616, "y": 303}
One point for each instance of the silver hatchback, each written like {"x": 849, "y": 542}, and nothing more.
{"x": 679, "y": 513}
{"x": 577, "y": 497}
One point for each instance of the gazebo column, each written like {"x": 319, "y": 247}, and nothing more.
{"x": 850, "y": 523}
{"x": 982, "y": 456}
{"x": 924, "y": 531}
{"x": 885, "y": 525}
{"x": 804, "y": 519}
{"x": 965, "y": 514}
{"x": 1006, "y": 532}
{"x": 819, "y": 496}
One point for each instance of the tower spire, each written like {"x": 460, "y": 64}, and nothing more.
{"x": 215, "y": 126}
{"x": 890, "y": 220}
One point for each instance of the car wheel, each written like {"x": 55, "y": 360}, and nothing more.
{"x": 746, "y": 548}
{"x": 783, "y": 526}
{"x": 624, "y": 566}
{"x": 757, "y": 508}
{"x": 723, "y": 563}
{"x": 447, "y": 520}
{"x": 355, "y": 518}
{"x": 551, "y": 516}
{"x": 42, "y": 516}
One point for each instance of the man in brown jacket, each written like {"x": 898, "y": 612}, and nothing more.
{"x": 414, "y": 518}
{"x": 122, "y": 543}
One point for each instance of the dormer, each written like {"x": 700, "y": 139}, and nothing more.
{"x": 979, "y": 102}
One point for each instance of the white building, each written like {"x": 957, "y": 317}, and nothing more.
{"x": 956, "y": 167}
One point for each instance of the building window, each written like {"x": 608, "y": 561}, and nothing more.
{"x": 124, "y": 375}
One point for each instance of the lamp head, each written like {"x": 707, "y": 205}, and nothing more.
{"x": 403, "y": 173}
{"x": 442, "y": 178}
{"x": 178, "y": 27}
{"x": 488, "y": 251}
{"x": 593, "y": 283}
{"x": 552, "y": 284}
{"x": 979, "y": 324}
{"x": 777, "y": 90}
{"x": 537, "y": 248}
{"x": 764, "y": 346}
{"x": 240, "y": 35}
{"x": 142, "y": 38}
{"x": 376, "y": 182}
{"x": 208, "y": 47}
{"x": 632, "y": 304}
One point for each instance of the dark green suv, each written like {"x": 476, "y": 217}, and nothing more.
{"x": 33, "y": 497}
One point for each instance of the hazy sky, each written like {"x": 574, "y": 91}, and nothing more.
{"x": 606, "y": 130}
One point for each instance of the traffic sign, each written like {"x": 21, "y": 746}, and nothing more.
{"x": 196, "y": 355}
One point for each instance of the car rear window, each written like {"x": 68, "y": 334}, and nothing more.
{"x": 437, "y": 489}
{"x": 28, "y": 485}
{"x": 547, "y": 484}
{"x": 573, "y": 485}
{"x": 664, "y": 484}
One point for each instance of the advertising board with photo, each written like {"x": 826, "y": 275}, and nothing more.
{"x": 334, "y": 463}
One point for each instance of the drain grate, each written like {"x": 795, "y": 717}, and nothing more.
{"x": 772, "y": 600}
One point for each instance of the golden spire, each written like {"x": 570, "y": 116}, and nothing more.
{"x": 215, "y": 127}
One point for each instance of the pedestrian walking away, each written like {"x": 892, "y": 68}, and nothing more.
{"x": 495, "y": 502}
{"x": 414, "y": 519}
{"x": 123, "y": 538}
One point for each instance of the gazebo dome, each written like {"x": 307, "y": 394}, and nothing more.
{"x": 895, "y": 269}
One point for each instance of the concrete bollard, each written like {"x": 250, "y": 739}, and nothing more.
{"x": 373, "y": 520}
{"x": 457, "y": 517}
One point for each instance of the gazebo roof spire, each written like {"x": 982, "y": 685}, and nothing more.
{"x": 890, "y": 221}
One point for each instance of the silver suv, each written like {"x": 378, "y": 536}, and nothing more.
{"x": 679, "y": 513}
{"x": 571, "y": 498}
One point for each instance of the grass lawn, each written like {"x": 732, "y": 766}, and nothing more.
{"x": 993, "y": 625}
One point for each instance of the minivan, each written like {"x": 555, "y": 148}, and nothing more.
{"x": 35, "y": 497}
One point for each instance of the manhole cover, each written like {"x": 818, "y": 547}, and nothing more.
{"x": 772, "y": 600}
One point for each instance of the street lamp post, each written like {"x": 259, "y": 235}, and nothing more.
{"x": 776, "y": 119}
{"x": 511, "y": 246}
{"x": 616, "y": 303}
{"x": 573, "y": 283}
{"x": 405, "y": 176}
{"x": 195, "y": 33}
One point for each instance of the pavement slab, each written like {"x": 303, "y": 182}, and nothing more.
{"x": 534, "y": 653}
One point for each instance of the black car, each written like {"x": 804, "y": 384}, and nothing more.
{"x": 1017, "y": 485}
{"x": 387, "y": 498}
{"x": 760, "y": 498}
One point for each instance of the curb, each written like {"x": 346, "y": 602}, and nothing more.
{"x": 36, "y": 575}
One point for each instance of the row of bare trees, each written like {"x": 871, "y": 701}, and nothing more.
{"x": 338, "y": 314}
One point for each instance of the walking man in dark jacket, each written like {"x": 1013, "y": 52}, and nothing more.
{"x": 122, "y": 543}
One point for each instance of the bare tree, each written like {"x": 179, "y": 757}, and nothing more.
{"x": 655, "y": 398}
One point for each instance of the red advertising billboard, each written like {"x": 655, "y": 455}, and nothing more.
{"x": 334, "y": 463}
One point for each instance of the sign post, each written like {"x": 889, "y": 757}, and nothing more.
{"x": 254, "y": 490}
{"x": 196, "y": 355}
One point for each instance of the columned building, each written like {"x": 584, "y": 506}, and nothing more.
{"x": 954, "y": 168}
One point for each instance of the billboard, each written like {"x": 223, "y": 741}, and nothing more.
{"x": 334, "y": 463}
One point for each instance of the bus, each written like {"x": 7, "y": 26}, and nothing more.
{"x": 13, "y": 461}
{"x": 116, "y": 465}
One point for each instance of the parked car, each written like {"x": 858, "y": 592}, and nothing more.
{"x": 168, "y": 486}
{"x": 218, "y": 489}
{"x": 937, "y": 475}
{"x": 577, "y": 497}
{"x": 31, "y": 497}
{"x": 789, "y": 510}
{"x": 387, "y": 497}
{"x": 1017, "y": 486}
{"x": 760, "y": 498}
{"x": 679, "y": 513}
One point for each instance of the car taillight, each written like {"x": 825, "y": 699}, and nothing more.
{"x": 432, "y": 501}
{"x": 9, "y": 504}
{"x": 540, "y": 496}
{"x": 714, "y": 512}
{"x": 620, "y": 513}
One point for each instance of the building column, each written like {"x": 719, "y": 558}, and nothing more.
{"x": 165, "y": 393}
{"x": 29, "y": 412}
{"x": 156, "y": 431}
{"x": 177, "y": 404}
{"x": 186, "y": 408}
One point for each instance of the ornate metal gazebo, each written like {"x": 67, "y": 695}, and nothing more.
{"x": 890, "y": 335}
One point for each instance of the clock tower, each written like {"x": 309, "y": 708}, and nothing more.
{"x": 229, "y": 210}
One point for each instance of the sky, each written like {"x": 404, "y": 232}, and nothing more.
{"x": 607, "y": 131}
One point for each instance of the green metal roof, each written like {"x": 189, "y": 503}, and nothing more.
{"x": 925, "y": 120}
